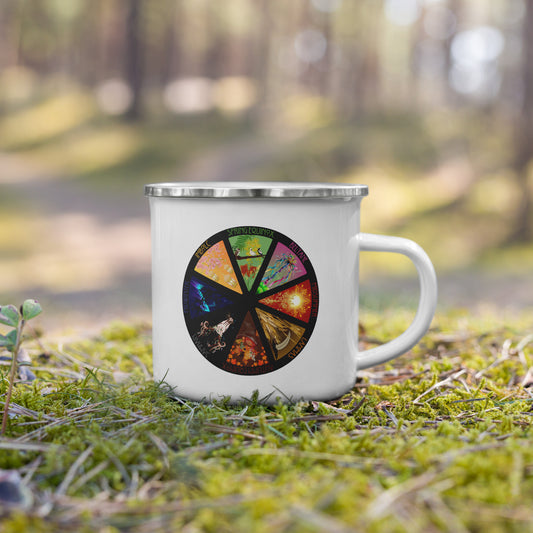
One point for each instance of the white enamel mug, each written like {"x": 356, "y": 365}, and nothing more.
{"x": 255, "y": 288}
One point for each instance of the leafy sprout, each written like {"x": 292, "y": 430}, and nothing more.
{"x": 16, "y": 319}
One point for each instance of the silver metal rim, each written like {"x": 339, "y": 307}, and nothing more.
{"x": 255, "y": 190}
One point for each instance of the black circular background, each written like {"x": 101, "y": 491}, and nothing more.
{"x": 226, "y": 318}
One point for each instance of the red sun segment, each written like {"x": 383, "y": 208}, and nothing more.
{"x": 296, "y": 301}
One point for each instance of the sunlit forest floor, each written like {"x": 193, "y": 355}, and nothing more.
{"x": 75, "y": 224}
{"x": 438, "y": 440}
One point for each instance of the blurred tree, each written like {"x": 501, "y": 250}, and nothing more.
{"x": 215, "y": 54}
{"x": 261, "y": 58}
{"x": 172, "y": 46}
{"x": 456, "y": 9}
{"x": 10, "y": 22}
{"x": 134, "y": 57}
{"x": 523, "y": 156}
{"x": 359, "y": 73}
{"x": 325, "y": 66}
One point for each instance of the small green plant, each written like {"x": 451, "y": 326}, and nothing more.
{"x": 16, "y": 319}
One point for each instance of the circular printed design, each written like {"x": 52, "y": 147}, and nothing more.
{"x": 250, "y": 300}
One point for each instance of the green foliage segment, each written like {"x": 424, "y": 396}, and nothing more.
{"x": 250, "y": 246}
{"x": 438, "y": 441}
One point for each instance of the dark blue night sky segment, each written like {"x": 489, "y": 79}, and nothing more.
{"x": 204, "y": 299}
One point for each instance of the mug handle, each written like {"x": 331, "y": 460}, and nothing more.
{"x": 426, "y": 305}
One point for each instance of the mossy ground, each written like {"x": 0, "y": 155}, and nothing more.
{"x": 439, "y": 440}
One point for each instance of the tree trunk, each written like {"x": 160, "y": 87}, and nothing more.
{"x": 327, "y": 62}
{"x": 172, "y": 47}
{"x": 524, "y": 132}
{"x": 134, "y": 57}
{"x": 260, "y": 63}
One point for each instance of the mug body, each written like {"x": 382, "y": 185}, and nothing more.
{"x": 255, "y": 292}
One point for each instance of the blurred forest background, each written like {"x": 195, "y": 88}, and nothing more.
{"x": 429, "y": 102}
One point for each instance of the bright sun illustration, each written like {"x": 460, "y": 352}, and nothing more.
{"x": 296, "y": 300}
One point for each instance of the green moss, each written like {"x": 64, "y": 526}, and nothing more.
{"x": 446, "y": 424}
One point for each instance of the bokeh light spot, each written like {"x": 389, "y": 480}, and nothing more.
{"x": 326, "y": 6}
{"x": 189, "y": 95}
{"x": 310, "y": 45}
{"x": 478, "y": 45}
{"x": 402, "y": 12}
{"x": 114, "y": 96}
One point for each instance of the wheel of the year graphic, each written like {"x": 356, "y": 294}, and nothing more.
{"x": 250, "y": 299}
